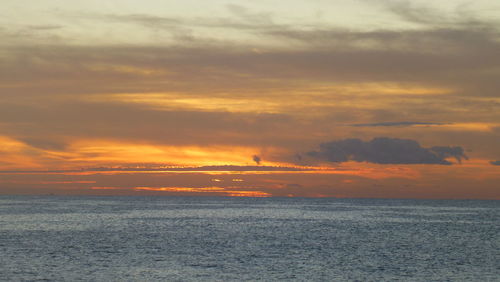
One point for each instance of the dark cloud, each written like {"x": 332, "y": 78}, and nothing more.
{"x": 44, "y": 143}
{"x": 257, "y": 159}
{"x": 385, "y": 150}
{"x": 144, "y": 19}
{"x": 401, "y": 123}
{"x": 495, "y": 162}
{"x": 444, "y": 152}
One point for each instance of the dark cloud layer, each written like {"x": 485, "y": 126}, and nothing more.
{"x": 495, "y": 162}
{"x": 385, "y": 150}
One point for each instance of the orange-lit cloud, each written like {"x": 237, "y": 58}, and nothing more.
{"x": 96, "y": 151}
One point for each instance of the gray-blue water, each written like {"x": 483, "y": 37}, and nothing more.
{"x": 202, "y": 238}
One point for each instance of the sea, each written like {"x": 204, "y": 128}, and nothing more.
{"x": 128, "y": 238}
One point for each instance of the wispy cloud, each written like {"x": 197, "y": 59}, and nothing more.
{"x": 396, "y": 124}
{"x": 217, "y": 168}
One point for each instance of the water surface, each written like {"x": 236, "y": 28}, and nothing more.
{"x": 203, "y": 238}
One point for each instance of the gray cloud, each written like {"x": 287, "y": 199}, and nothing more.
{"x": 257, "y": 159}
{"x": 44, "y": 143}
{"x": 144, "y": 19}
{"x": 495, "y": 162}
{"x": 385, "y": 150}
{"x": 444, "y": 152}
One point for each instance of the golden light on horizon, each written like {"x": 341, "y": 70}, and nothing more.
{"x": 231, "y": 192}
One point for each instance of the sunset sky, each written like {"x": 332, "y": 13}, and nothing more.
{"x": 307, "y": 98}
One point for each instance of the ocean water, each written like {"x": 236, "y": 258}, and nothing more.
{"x": 56, "y": 238}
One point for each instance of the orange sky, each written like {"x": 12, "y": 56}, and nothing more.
{"x": 392, "y": 99}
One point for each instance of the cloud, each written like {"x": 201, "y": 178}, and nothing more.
{"x": 346, "y": 56}
{"x": 323, "y": 70}
{"x": 401, "y": 123}
{"x": 447, "y": 152}
{"x": 42, "y": 127}
{"x": 385, "y": 150}
{"x": 242, "y": 19}
{"x": 44, "y": 27}
{"x": 222, "y": 168}
{"x": 495, "y": 162}
{"x": 256, "y": 159}
{"x": 411, "y": 12}
{"x": 44, "y": 143}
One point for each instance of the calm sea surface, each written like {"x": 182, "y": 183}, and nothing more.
{"x": 203, "y": 238}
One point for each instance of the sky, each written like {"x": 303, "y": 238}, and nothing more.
{"x": 261, "y": 98}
